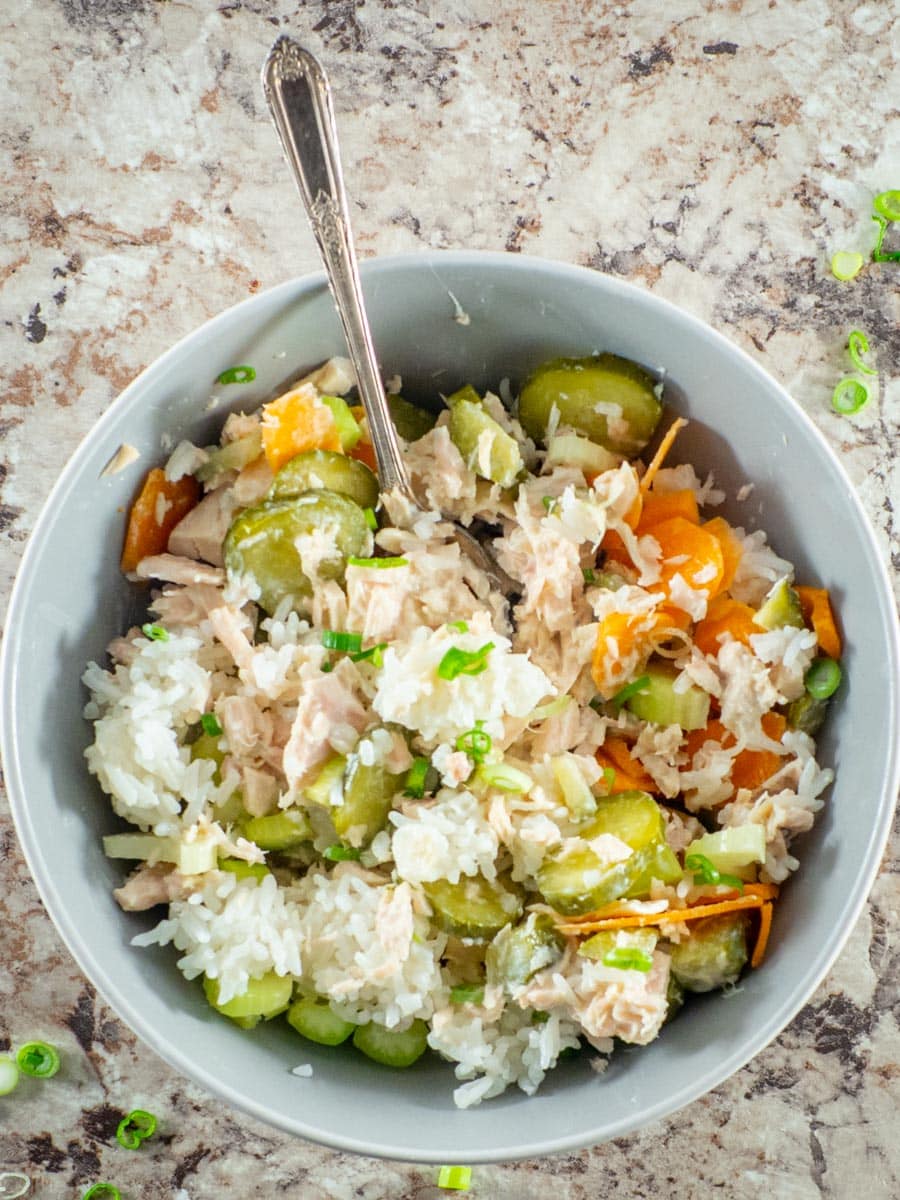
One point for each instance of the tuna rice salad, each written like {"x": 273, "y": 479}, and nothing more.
{"x": 397, "y": 809}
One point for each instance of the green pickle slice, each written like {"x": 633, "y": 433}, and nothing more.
{"x": 474, "y": 907}
{"x": 329, "y": 470}
{"x": 410, "y": 421}
{"x": 519, "y": 951}
{"x": 714, "y": 954}
{"x": 578, "y": 881}
{"x": 781, "y": 607}
{"x": 369, "y": 792}
{"x": 634, "y": 817}
{"x": 261, "y": 543}
{"x": 278, "y": 831}
{"x": 469, "y": 423}
{"x": 575, "y": 386}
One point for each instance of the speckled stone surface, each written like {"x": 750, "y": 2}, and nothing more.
{"x": 715, "y": 153}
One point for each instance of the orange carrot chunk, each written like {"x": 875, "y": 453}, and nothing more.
{"x": 659, "y": 506}
{"x": 295, "y": 422}
{"x": 630, "y": 776}
{"x": 690, "y": 551}
{"x": 159, "y": 507}
{"x": 732, "y": 550}
{"x": 817, "y": 611}
{"x": 724, "y": 616}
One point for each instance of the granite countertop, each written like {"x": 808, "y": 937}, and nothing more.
{"x": 717, "y": 157}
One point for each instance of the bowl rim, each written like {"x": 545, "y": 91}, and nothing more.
{"x": 78, "y": 944}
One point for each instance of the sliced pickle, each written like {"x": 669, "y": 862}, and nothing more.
{"x": 806, "y": 713}
{"x": 278, "y": 831}
{"x": 316, "y": 469}
{"x": 633, "y": 817}
{"x": 662, "y": 864}
{"x": 410, "y": 421}
{"x": 781, "y": 607}
{"x": 369, "y": 792}
{"x": 519, "y": 951}
{"x": 579, "y": 881}
{"x": 713, "y": 955}
{"x": 471, "y": 429}
{"x": 261, "y": 543}
{"x": 576, "y": 386}
{"x": 474, "y": 907}
{"x": 600, "y": 944}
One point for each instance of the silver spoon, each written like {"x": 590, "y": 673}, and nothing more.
{"x": 299, "y": 97}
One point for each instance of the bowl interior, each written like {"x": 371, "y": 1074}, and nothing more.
{"x": 70, "y": 599}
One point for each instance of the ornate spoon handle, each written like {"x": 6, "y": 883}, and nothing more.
{"x": 299, "y": 98}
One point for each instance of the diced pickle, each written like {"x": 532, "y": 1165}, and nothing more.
{"x": 582, "y": 389}
{"x": 474, "y": 907}
{"x": 327, "y": 469}
{"x": 713, "y": 955}
{"x": 659, "y": 702}
{"x": 312, "y": 1016}
{"x": 208, "y": 746}
{"x": 368, "y": 794}
{"x": 410, "y": 421}
{"x": 600, "y": 944}
{"x": 519, "y": 951}
{"x": 806, "y": 713}
{"x": 661, "y": 864}
{"x": 328, "y": 782}
{"x": 674, "y": 997}
{"x": 392, "y": 1047}
{"x": 278, "y": 831}
{"x": 471, "y": 429}
{"x": 264, "y": 997}
{"x": 781, "y": 607}
{"x": 570, "y": 450}
{"x": 574, "y": 787}
{"x": 243, "y": 869}
{"x": 261, "y": 542}
{"x": 634, "y": 817}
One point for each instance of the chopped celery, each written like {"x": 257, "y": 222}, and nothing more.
{"x": 348, "y": 430}
{"x": 474, "y": 907}
{"x": 327, "y": 784}
{"x": 634, "y": 817}
{"x": 264, "y": 997}
{"x": 519, "y": 951}
{"x": 369, "y": 793}
{"x": 278, "y": 831}
{"x": 391, "y": 1047}
{"x": 312, "y": 1016}
{"x": 488, "y": 449}
{"x": 713, "y": 955}
{"x": 197, "y": 857}
{"x": 659, "y": 702}
{"x": 781, "y": 607}
{"x": 145, "y": 846}
{"x": 570, "y": 450}
{"x": 233, "y": 456}
{"x": 733, "y": 848}
{"x": 243, "y": 869}
{"x": 578, "y": 797}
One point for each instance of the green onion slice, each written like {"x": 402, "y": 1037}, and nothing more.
{"x": 589, "y": 574}
{"x": 135, "y": 1128}
{"x": 13, "y": 1184}
{"x": 415, "y": 778}
{"x": 846, "y": 265}
{"x": 333, "y": 639}
{"x": 630, "y": 689}
{"x": 156, "y": 633}
{"x": 9, "y": 1075}
{"x": 107, "y": 1190}
{"x": 549, "y": 503}
{"x": 705, "y": 872}
{"x": 858, "y": 344}
{"x": 550, "y": 709}
{"x": 210, "y": 725}
{"x": 327, "y": 666}
{"x": 371, "y": 519}
{"x": 539, "y": 1017}
{"x": 823, "y": 678}
{"x": 242, "y": 374}
{"x": 459, "y": 626}
{"x": 374, "y": 655}
{"x": 887, "y": 205}
{"x": 40, "y": 1060}
{"x": 504, "y": 777}
{"x": 849, "y": 397}
{"x": 382, "y": 564}
{"x": 464, "y": 662}
{"x": 457, "y": 1179}
{"x": 341, "y": 853}
{"x": 475, "y": 742}
{"x": 628, "y": 958}
{"x": 879, "y": 255}
{"x": 467, "y": 993}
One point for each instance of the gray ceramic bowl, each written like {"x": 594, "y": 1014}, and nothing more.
{"x": 70, "y": 600}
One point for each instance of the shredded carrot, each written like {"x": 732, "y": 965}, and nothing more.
{"x": 659, "y": 506}
{"x": 762, "y": 937}
{"x": 159, "y": 507}
{"x": 732, "y": 550}
{"x": 630, "y": 776}
{"x": 295, "y": 422}
{"x": 659, "y": 457}
{"x": 724, "y": 615}
{"x": 590, "y": 923}
{"x": 817, "y": 611}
